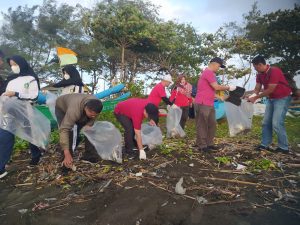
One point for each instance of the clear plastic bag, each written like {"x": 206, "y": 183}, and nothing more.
{"x": 106, "y": 139}
{"x": 173, "y": 119}
{"x": 23, "y": 120}
{"x": 50, "y": 102}
{"x": 151, "y": 135}
{"x": 239, "y": 118}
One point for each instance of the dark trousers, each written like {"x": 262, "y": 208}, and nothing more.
{"x": 7, "y": 141}
{"x": 184, "y": 116}
{"x": 129, "y": 134}
{"x": 205, "y": 125}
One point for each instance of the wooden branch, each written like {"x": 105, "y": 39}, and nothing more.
{"x": 238, "y": 182}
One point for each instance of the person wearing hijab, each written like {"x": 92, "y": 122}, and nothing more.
{"x": 72, "y": 82}
{"x": 181, "y": 96}
{"x": 23, "y": 84}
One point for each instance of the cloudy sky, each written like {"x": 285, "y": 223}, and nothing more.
{"x": 204, "y": 15}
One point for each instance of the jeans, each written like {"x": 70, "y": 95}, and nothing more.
{"x": 274, "y": 117}
{"x": 7, "y": 141}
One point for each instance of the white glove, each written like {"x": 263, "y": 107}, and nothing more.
{"x": 253, "y": 95}
{"x": 174, "y": 106}
{"x": 142, "y": 154}
{"x": 168, "y": 107}
{"x": 232, "y": 87}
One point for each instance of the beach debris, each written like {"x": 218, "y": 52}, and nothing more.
{"x": 164, "y": 204}
{"x": 23, "y": 211}
{"x": 50, "y": 199}
{"x": 179, "y": 189}
{"x": 101, "y": 189}
{"x": 240, "y": 167}
{"x": 191, "y": 164}
{"x": 40, "y": 206}
{"x": 139, "y": 174}
{"x": 201, "y": 200}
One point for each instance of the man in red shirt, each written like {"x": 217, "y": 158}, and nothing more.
{"x": 130, "y": 114}
{"x": 158, "y": 93}
{"x": 278, "y": 93}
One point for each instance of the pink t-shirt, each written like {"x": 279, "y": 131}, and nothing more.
{"x": 133, "y": 108}
{"x": 205, "y": 92}
{"x": 156, "y": 94}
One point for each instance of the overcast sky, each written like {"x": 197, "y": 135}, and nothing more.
{"x": 204, "y": 15}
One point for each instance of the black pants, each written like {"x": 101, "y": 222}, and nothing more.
{"x": 129, "y": 134}
{"x": 184, "y": 116}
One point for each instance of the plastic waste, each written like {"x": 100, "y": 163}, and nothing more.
{"x": 25, "y": 121}
{"x": 179, "y": 189}
{"x": 50, "y": 102}
{"x": 239, "y": 118}
{"x": 107, "y": 140}
{"x": 151, "y": 135}
{"x": 173, "y": 119}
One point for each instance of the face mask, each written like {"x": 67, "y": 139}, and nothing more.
{"x": 66, "y": 76}
{"x": 15, "y": 69}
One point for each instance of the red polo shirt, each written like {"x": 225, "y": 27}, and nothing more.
{"x": 274, "y": 75}
{"x": 133, "y": 108}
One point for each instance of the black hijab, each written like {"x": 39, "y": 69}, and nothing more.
{"x": 74, "y": 79}
{"x": 25, "y": 69}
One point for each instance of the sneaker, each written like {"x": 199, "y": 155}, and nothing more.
{"x": 280, "y": 150}
{"x": 3, "y": 174}
{"x": 205, "y": 149}
{"x": 213, "y": 147}
{"x": 34, "y": 161}
{"x": 261, "y": 148}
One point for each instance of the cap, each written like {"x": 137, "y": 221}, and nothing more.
{"x": 218, "y": 60}
{"x": 168, "y": 78}
{"x": 152, "y": 112}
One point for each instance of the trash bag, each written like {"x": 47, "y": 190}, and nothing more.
{"x": 173, "y": 119}
{"x": 25, "y": 121}
{"x": 239, "y": 118}
{"x": 106, "y": 139}
{"x": 151, "y": 135}
{"x": 236, "y": 95}
{"x": 50, "y": 102}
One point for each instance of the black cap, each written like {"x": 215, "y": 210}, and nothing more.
{"x": 152, "y": 112}
{"x": 218, "y": 60}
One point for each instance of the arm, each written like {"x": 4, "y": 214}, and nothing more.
{"x": 31, "y": 92}
{"x": 267, "y": 92}
{"x": 218, "y": 87}
{"x": 138, "y": 139}
{"x": 167, "y": 101}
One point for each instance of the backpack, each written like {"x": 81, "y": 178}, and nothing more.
{"x": 290, "y": 80}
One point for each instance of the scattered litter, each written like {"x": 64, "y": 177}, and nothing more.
{"x": 240, "y": 167}
{"x": 105, "y": 186}
{"x": 23, "y": 211}
{"x": 80, "y": 217}
{"x": 139, "y": 174}
{"x": 191, "y": 164}
{"x": 179, "y": 189}
{"x": 293, "y": 183}
{"x": 164, "y": 204}
{"x": 50, "y": 199}
{"x": 193, "y": 179}
{"x": 40, "y": 206}
{"x": 201, "y": 200}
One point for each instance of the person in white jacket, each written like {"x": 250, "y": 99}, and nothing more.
{"x": 23, "y": 84}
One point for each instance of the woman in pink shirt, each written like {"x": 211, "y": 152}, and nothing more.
{"x": 181, "y": 97}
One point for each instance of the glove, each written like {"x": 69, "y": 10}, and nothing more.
{"x": 232, "y": 87}
{"x": 174, "y": 106}
{"x": 253, "y": 95}
{"x": 142, "y": 154}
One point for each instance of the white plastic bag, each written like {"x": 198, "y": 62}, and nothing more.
{"x": 173, "y": 119}
{"x": 23, "y": 120}
{"x": 107, "y": 140}
{"x": 239, "y": 118}
{"x": 151, "y": 135}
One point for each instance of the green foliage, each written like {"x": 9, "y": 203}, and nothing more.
{"x": 54, "y": 137}
{"x": 20, "y": 144}
{"x": 165, "y": 149}
{"x": 224, "y": 160}
{"x": 260, "y": 164}
{"x": 136, "y": 88}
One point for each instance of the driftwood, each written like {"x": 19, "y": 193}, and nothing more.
{"x": 239, "y": 182}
